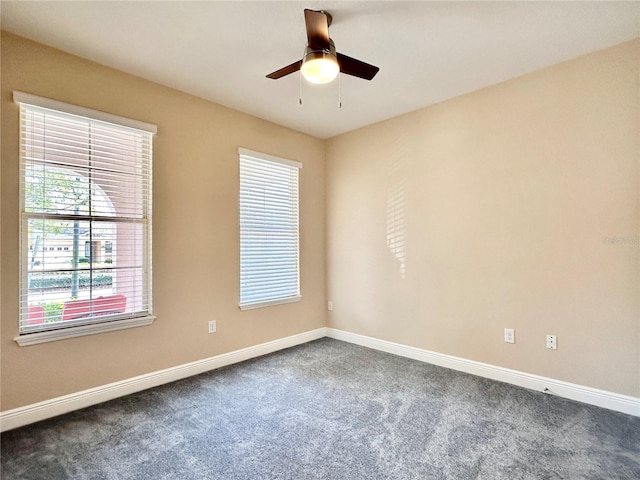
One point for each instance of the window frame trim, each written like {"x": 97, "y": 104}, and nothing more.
{"x": 42, "y": 102}
{"x": 291, "y": 163}
{"x": 77, "y": 329}
{"x": 71, "y": 331}
{"x": 269, "y": 158}
{"x": 269, "y": 303}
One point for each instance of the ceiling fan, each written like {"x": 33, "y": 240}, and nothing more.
{"x": 321, "y": 63}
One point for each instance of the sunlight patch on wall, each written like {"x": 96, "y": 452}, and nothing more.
{"x": 396, "y": 220}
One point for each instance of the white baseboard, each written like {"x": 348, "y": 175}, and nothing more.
{"x": 56, "y": 406}
{"x": 592, "y": 396}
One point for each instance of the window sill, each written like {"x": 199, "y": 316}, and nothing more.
{"x": 270, "y": 303}
{"x": 71, "y": 332}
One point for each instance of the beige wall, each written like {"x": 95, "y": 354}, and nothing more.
{"x": 498, "y": 209}
{"x": 195, "y": 230}
{"x": 444, "y": 226}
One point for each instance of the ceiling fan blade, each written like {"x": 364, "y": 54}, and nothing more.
{"x": 294, "y": 67}
{"x": 317, "y": 29}
{"x": 357, "y": 68}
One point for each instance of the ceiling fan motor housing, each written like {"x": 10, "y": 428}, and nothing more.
{"x": 315, "y": 53}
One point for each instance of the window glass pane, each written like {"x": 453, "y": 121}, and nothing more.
{"x": 56, "y": 190}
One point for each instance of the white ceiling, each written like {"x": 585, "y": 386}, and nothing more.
{"x": 427, "y": 51}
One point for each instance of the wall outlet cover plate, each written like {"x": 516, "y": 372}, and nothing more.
{"x": 509, "y": 335}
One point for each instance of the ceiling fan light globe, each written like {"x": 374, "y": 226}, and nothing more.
{"x": 320, "y": 67}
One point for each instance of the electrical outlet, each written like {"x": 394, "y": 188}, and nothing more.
{"x": 212, "y": 326}
{"x": 509, "y": 335}
{"x": 552, "y": 342}
{"x": 330, "y": 305}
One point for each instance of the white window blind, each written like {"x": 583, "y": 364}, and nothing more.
{"x": 85, "y": 233}
{"x": 269, "y": 243}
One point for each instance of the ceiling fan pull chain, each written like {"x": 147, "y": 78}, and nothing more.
{"x": 300, "y": 95}
{"x": 339, "y": 91}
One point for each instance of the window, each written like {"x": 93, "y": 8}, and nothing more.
{"x": 85, "y": 183}
{"x": 269, "y": 243}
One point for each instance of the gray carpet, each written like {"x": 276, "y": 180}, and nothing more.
{"x": 329, "y": 410}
